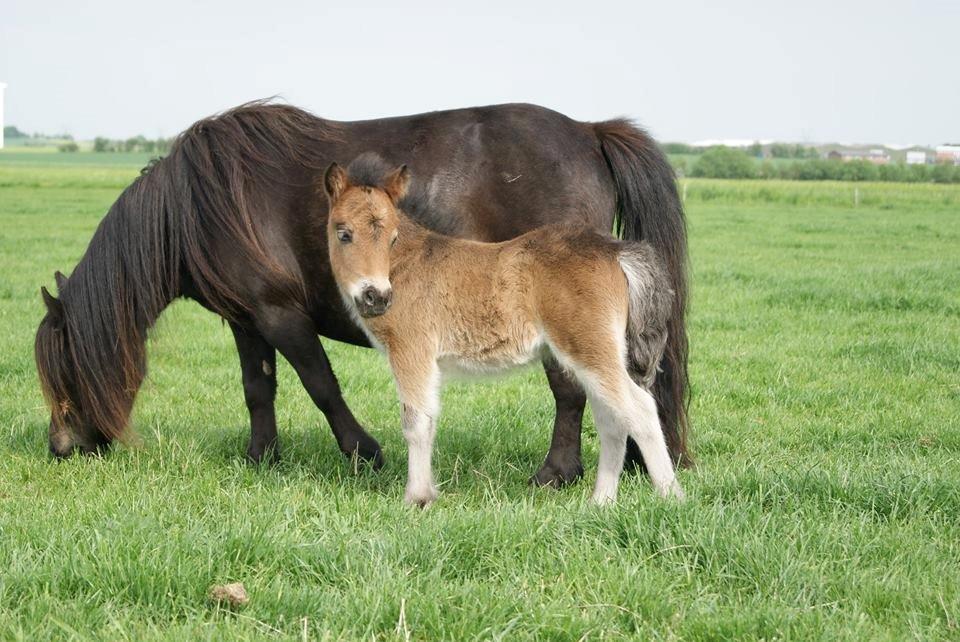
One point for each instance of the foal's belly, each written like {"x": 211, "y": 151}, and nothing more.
{"x": 493, "y": 356}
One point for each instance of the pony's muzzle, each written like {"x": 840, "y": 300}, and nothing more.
{"x": 62, "y": 444}
{"x": 372, "y": 301}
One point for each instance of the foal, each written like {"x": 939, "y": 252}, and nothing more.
{"x": 439, "y": 305}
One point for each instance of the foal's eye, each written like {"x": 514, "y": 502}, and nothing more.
{"x": 393, "y": 241}
{"x": 344, "y": 236}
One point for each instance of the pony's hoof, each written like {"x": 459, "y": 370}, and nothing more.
{"x": 366, "y": 450}
{"x": 557, "y": 476}
{"x": 267, "y": 456}
{"x": 420, "y": 498}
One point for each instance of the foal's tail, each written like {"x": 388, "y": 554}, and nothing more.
{"x": 649, "y": 208}
{"x": 650, "y": 302}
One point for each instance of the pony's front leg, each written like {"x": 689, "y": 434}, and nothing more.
{"x": 418, "y": 384}
{"x": 258, "y": 363}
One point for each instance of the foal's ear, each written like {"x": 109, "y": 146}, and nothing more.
{"x": 335, "y": 182}
{"x": 60, "y": 279}
{"x": 396, "y": 183}
{"x": 54, "y": 307}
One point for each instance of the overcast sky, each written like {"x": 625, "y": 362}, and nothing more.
{"x": 811, "y": 71}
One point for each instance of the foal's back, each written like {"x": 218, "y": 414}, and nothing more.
{"x": 490, "y": 305}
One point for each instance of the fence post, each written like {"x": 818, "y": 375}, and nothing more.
{"x": 856, "y": 196}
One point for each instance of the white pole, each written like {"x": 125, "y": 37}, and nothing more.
{"x": 2, "y": 87}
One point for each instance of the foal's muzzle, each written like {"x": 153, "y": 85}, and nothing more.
{"x": 372, "y": 301}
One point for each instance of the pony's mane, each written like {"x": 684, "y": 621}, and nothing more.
{"x": 368, "y": 170}
{"x": 162, "y": 225}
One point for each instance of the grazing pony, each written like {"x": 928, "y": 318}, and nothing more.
{"x": 439, "y": 305}
{"x": 229, "y": 218}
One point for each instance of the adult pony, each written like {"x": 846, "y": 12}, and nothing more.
{"x": 229, "y": 219}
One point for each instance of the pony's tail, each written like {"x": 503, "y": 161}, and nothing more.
{"x": 649, "y": 208}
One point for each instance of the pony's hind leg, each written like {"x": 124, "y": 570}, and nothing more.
{"x": 562, "y": 465}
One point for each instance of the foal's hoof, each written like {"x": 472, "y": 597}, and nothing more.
{"x": 420, "y": 499}
{"x": 673, "y": 491}
{"x": 557, "y": 476}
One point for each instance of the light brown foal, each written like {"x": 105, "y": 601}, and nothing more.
{"x": 439, "y": 305}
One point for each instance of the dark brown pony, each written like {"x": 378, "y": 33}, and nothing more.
{"x": 229, "y": 219}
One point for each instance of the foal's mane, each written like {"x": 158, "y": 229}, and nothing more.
{"x": 165, "y": 224}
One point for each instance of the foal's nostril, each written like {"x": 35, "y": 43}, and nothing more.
{"x": 370, "y": 295}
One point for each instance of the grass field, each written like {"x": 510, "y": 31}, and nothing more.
{"x": 825, "y": 353}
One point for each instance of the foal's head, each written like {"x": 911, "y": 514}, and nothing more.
{"x": 362, "y": 228}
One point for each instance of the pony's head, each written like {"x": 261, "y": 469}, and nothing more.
{"x": 362, "y": 228}
{"x": 71, "y": 425}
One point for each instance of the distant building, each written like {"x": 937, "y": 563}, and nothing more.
{"x": 948, "y": 154}
{"x": 2, "y": 87}
{"x": 916, "y": 158}
{"x": 875, "y": 156}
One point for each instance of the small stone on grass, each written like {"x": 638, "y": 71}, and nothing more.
{"x": 233, "y": 594}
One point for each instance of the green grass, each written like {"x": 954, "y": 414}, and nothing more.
{"x": 825, "y": 350}
{"x": 47, "y": 156}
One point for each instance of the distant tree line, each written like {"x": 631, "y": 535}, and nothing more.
{"x": 12, "y": 131}
{"x": 727, "y": 162}
{"x": 135, "y": 144}
{"x": 775, "y": 150}
{"x": 784, "y": 150}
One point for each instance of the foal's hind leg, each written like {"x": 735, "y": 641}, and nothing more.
{"x": 622, "y": 408}
{"x": 563, "y": 465}
{"x": 258, "y": 363}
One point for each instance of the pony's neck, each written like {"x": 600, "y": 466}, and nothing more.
{"x": 126, "y": 278}
{"x": 121, "y": 285}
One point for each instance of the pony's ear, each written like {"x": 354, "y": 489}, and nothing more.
{"x": 54, "y": 307}
{"x": 60, "y": 279}
{"x": 335, "y": 182}
{"x": 396, "y": 183}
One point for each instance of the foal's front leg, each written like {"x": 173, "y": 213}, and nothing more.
{"x": 419, "y": 429}
{"x": 418, "y": 384}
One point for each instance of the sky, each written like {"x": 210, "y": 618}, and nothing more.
{"x": 812, "y": 71}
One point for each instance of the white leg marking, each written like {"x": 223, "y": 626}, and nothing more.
{"x": 623, "y": 408}
{"x": 419, "y": 429}
{"x": 613, "y": 446}
{"x": 644, "y": 427}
